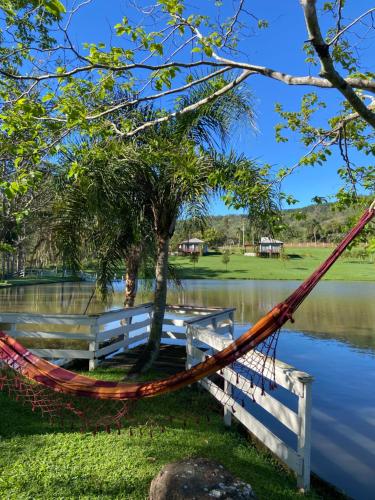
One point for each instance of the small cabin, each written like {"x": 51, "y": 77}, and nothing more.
{"x": 269, "y": 247}
{"x": 193, "y": 245}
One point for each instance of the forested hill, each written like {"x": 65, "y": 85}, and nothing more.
{"x": 314, "y": 223}
{"x": 322, "y": 222}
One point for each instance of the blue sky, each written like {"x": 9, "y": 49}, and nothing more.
{"x": 278, "y": 47}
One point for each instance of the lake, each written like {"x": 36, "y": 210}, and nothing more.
{"x": 333, "y": 339}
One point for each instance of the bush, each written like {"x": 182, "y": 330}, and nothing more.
{"x": 226, "y": 259}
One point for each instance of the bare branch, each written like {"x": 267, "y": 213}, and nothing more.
{"x": 234, "y": 21}
{"x": 115, "y": 69}
{"x": 360, "y": 83}
{"x": 350, "y": 25}
{"x": 278, "y": 75}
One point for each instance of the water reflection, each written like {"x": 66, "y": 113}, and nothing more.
{"x": 60, "y": 298}
{"x": 343, "y": 416}
{"x": 343, "y": 311}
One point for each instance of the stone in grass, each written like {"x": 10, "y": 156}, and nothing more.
{"x": 198, "y": 479}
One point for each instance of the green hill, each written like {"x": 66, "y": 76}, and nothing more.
{"x": 323, "y": 223}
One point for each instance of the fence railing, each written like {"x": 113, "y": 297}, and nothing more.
{"x": 201, "y": 342}
{"x": 310, "y": 244}
{"x": 90, "y": 337}
{"x": 94, "y": 337}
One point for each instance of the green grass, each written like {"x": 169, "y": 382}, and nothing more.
{"x": 40, "y": 461}
{"x": 299, "y": 264}
{"x": 37, "y": 281}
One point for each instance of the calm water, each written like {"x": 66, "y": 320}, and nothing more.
{"x": 333, "y": 339}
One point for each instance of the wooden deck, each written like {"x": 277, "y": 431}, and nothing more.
{"x": 171, "y": 359}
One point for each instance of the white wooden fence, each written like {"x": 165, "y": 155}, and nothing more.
{"x": 101, "y": 335}
{"x": 201, "y": 342}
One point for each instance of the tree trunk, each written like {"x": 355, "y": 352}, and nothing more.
{"x": 8, "y": 265}
{"x": 151, "y": 349}
{"x": 21, "y": 261}
{"x": 132, "y": 263}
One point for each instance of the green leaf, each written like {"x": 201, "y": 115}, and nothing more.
{"x": 48, "y": 97}
{"x": 208, "y": 50}
{"x": 55, "y": 7}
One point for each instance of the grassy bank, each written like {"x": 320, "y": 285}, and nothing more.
{"x": 41, "y": 461}
{"x": 38, "y": 281}
{"x": 297, "y": 265}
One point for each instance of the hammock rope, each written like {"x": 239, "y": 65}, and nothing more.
{"x": 60, "y": 380}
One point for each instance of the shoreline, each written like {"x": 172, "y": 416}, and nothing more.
{"x": 42, "y": 281}
{"x": 38, "y": 281}
{"x": 218, "y": 278}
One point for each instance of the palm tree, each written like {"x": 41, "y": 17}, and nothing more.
{"x": 175, "y": 175}
{"x": 314, "y": 228}
{"x": 141, "y": 187}
{"x": 98, "y": 214}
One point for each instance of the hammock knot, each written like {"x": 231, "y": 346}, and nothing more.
{"x": 289, "y": 316}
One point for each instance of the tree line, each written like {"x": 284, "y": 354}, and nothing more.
{"x": 325, "y": 222}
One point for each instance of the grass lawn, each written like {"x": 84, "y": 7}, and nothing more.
{"x": 299, "y": 264}
{"x": 37, "y": 281}
{"x": 45, "y": 462}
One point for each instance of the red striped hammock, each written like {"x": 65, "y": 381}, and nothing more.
{"x": 67, "y": 382}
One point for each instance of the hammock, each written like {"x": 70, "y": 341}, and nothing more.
{"x": 60, "y": 380}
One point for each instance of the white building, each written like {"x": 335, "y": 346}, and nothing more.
{"x": 270, "y": 248}
{"x": 193, "y": 245}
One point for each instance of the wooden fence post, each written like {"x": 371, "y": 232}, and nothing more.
{"x": 189, "y": 347}
{"x": 148, "y": 327}
{"x": 227, "y": 385}
{"x": 227, "y": 412}
{"x": 125, "y": 323}
{"x": 304, "y": 435}
{"x": 94, "y": 345}
{"x": 231, "y": 323}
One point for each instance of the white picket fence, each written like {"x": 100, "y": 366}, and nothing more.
{"x": 201, "y": 342}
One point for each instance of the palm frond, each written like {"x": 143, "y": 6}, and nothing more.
{"x": 213, "y": 122}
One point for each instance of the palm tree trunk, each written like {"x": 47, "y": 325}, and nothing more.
{"x": 132, "y": 263}
{"x": 151, "y": 349}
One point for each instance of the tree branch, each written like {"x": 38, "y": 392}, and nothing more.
{"x": 159, "y": 95}
{"x": 337, "y": 36}
{"x": 192, "y": 107}
{"x": 360, "y": 83}
{"x": 328, "y": 70}
{"x": 109, "y": 67}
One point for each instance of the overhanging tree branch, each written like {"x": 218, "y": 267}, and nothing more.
{"x": 192, "y": 107}
{"x": 328, "y": 70}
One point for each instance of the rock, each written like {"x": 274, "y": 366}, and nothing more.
{"x": 198, "y": 479}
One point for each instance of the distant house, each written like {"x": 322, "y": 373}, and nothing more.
{"x": 193, "y": 245}
{"x": 270, "y": 248}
